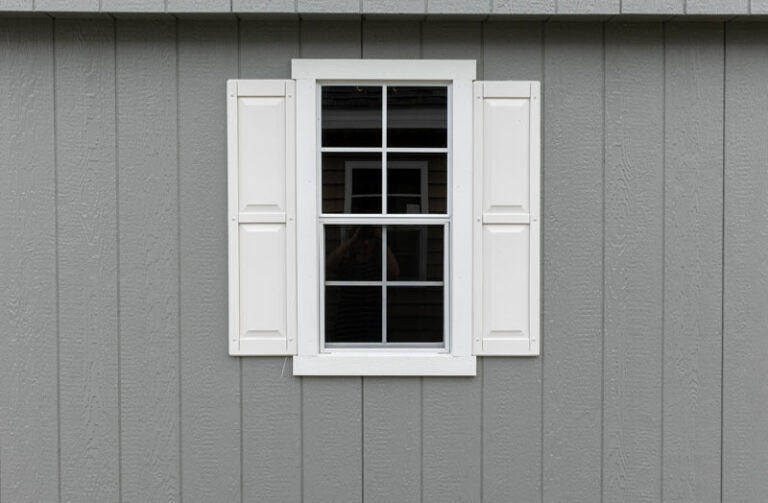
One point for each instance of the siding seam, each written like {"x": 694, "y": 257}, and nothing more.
{"x": 663, "y": 243}
{"x": 602, "y": 297}
{"x": 542, "y": 220}
{"x": 722, "y": 268}
{"x": 178, "y": 251}
{"x": 117, "y": 274}
{"x": 240, "y": 360}
{"x": 56, "y": 254}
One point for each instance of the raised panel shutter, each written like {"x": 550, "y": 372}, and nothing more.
{"x": 506, "y": 211}
{"x": 262, "y": 207}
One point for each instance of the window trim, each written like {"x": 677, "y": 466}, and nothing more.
{"x": 312, "y": 358}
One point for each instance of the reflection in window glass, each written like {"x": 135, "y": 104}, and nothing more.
{"x": 353, "y": 253}
{"x": 416, "y": 183}
{"x": 417, "y": 250}
{"x": 352, "y": 314}
{"x": 351, "y": 183}
{"x": 351, "y": 116}
{"x": 417, "y": 116}
{"x": 415, "y": 314}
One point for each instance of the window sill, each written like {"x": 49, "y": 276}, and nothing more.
{"x": 384, "y": 365}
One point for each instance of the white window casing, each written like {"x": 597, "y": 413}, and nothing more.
{"x": 275, "y": 236}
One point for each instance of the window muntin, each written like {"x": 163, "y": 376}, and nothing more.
{"x": 390, "y": 253}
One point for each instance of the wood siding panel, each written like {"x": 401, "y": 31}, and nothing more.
{"x": 210, "y": 379}
{"x": 512, "y": 396}
{"x": 572, "y": 261}
{"x": 87, "y": 217}
{"x": 149, "y": 260}
{"x": 271, "y": 396}
{"x": 745, "y": 292}
{"x": 633, "y": 283}
{"x": 28, "y": 264}
{"x": 693, "y": 202}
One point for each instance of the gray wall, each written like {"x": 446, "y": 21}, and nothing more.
{"x": 114, "y": 378}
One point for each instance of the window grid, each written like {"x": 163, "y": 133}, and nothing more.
{"x": 385, "y": 219}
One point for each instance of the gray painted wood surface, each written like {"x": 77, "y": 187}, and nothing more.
{"x": 114, "y": 379}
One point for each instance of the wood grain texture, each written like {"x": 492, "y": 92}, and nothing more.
{"x": 378, "y": 41}
{"x": 271, "y": 396}
{"x": 149, "y": 259}
{"x": 210, "y": 378}
{"x": 28, "y": 297}
{"x": 512, "y": 396}
{"x": 87, "y": 217}
{"x": 392, "y": 439}
{"x": 392, "y": 407}
{"x": 572, "y": 265}
{"x": 452, "y": 422}
{"x": 634, "y": 178}
{"x": 332, "y": 440}
{"x": 745, "y": 338}
{"x": 693, "y": 202}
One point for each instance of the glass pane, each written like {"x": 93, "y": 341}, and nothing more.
{"x": 417, "y": 116}
{"x": 353, "y": 253}
{"x": 415, "y": 314}
{"x": 351, "y": 116}
{"x": 351, "y": 183}
{"x": 416, "y": 183}
{"x": 415, "y": 253}
{"x": 353, "y": 314}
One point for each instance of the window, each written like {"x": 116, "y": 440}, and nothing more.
{"x": 384, "y": 214}
{"x": 383, "y": 217}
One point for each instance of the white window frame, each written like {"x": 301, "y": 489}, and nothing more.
{"x": 312, "y": 358}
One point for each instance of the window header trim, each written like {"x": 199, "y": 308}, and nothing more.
{"x": 384, "y": 69}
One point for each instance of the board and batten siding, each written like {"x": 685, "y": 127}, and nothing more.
{"x": 115, "y": 384}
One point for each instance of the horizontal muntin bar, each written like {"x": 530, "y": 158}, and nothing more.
{"x": 393, "y": 150}
{"x": 349, "y": 219}
{"x": 388, "y": 283}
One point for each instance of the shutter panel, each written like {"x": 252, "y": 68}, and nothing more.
{"x": 262, "y": 243}
{"x": 506, "y": 228}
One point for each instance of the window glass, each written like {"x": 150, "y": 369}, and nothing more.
{"x": 352, "y": 314}
{"x": 417, "y": 116}
{"x": 418, "y": 252}
{"x": 351, "y": 182}
{"x": 351, "y": 116}
{"x": 353, "y": 253}
{"x": 416, "y": 183}
{"x": 414, "y": 314}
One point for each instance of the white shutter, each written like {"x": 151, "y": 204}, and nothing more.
{"x": 262, "y": 242}
{"x": 506, "y": 211}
